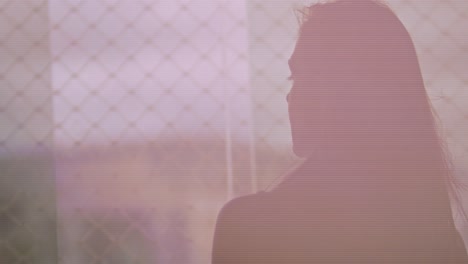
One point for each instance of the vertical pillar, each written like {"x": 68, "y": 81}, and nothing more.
{"x": 27, "y": 193}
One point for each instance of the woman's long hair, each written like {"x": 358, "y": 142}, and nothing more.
{"x": 357, "y": 60}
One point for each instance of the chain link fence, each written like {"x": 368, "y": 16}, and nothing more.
{"x": 126, "y": 124}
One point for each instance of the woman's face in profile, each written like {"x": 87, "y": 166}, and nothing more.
{"x": 303, "y": 109}
{"x": 311, "y": 102}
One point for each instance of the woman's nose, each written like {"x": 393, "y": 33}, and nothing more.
{"x": 287, "y": 97}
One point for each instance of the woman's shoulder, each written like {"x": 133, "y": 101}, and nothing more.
{"x": 260, "y": 209}
{"x": 243, "y": 205}
{"x": 239, "y": 218}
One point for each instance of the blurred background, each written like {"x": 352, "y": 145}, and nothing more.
{"x": 125, "y": 125}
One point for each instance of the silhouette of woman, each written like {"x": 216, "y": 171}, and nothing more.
{"x": 374, "y": 186}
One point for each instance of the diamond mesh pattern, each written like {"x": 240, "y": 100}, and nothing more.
{"x": 27, "y": 186}
{"x": 128, "y": 123}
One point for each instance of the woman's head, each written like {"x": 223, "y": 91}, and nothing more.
{"x": 358, "y": 98}
{"x": 358, "y": 101}
{"x": 357, "y": 85}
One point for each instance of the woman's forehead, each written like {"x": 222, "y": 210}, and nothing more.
{"x": 295, "y": 62}
{"x": 297, "y": 55}
{"x": 292, "y": 62}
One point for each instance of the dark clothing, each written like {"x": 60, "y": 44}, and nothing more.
{"x": 332, "y": 224}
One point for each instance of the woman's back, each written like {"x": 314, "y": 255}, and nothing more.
{"x": 329, "y": 225}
